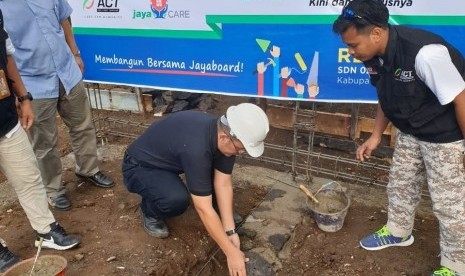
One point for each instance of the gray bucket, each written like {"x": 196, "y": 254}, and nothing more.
{"x": 332, "y": 209}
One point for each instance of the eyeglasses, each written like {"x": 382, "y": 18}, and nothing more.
{"x": 351, "y": 15}
{"x": 239, "y": 151}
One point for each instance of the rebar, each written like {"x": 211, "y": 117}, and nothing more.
{"x": 301, "y": 160}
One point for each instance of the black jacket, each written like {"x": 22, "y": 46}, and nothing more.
{"x": 8, "y": 114}
{"x": 406, "y": 100}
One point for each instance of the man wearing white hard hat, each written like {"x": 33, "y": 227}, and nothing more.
{"x": 202, "y": 147}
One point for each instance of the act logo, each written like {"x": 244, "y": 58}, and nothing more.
{"x": 159, "y": 8}
{"x": 107, "y": 6}
{"x": 102, "y": 5}
{"x": 87, "y": 4}
{"x": 404, "y": 76}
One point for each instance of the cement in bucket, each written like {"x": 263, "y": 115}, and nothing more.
{"x": 332, "y": 209}
{"x": 47, "y": 265}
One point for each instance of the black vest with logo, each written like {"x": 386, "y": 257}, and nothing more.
{"x": 406, "y": 100}
{"x": 8, "y": 115}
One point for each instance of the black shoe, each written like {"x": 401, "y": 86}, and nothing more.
{"x": 99, "y": 180}
{"x": 60, "y": 202}
{"x": 7, "y": 259}
{"x": 154, "y": 227}
{"x": 57, "y": 238}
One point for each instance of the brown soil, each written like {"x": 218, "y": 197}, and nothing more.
{"x": 114, "y": 242}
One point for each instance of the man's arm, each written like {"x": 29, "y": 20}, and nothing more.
{"x": 459, "y": 104}
{"x": 381, "y": 122}
{"x": 224, "y": 198}
{"x": 26, "y": 114}
{"x": 69, "y": 36}
{"x": 215, "y": 226}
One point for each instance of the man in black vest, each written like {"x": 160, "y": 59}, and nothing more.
{"x": 419, "y": 79}
{"x": 17, "y": 160}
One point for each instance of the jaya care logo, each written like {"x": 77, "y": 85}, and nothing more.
{"x": 159, "y": 9}
{"x": 403, "y": 75}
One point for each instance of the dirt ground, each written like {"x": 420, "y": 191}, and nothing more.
{"x": 114, "y": 242}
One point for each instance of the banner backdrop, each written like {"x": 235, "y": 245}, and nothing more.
{"x": 278, "y": 49}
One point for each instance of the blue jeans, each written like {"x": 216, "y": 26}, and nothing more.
{"x": 163, "y": 193}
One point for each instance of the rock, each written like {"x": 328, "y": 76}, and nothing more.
{"x": 79, "y": 257}
{"x": 258, "y": 265}
{"x": 168, "y": 96}
{"x": 206, "y": 102}
{"x": 177, "y": 95}
{"x": 278, "y": 240}
{"x": 247, "y": 244}
{"x": 249, "y": 233}
{"x": 112, "y": 258}
{"x": 180, "y": 105}
{"x": 159, "y": 110}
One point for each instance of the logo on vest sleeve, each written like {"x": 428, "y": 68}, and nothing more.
{"x": 372, "y": 70}
{"x": 403, "y": 76}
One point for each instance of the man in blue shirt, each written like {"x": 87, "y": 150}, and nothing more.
{"x": 51, "y": 67}
{"x": 203, "y": 148}
{"x": 17, "y": 160}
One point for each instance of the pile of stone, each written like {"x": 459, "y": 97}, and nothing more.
{"x": 173, "y": 101}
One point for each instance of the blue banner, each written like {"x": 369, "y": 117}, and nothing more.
{"x": 281, "y": 57}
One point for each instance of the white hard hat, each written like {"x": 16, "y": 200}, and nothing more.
{"x": 249, "y": 124}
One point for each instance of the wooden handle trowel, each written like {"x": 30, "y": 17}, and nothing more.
{"x": 308, "y": 193}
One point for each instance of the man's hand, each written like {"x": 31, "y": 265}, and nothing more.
{"x": 80, "y": 63}
{"x": 261, "y": 67}
{"x": 235, "y": 240}
{"x": 365, "y": 150}
{"x": 285, "y": 72}
{"x": 275, "y": 51}
{"x": 236, "y": 263}
{"x": 26, "y": 114}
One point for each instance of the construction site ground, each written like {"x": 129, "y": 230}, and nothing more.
{"x": 279, "y": 234}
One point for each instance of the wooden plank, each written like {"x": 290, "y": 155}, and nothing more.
{"x": 147, "y": 102}
{"x": 393, "y": 136}
{"x": 367, "y": 124}
{"x": 328, "y": 123}
{"x": 333, "y": 123}
{"x": 280, "y": 117}
{"x": 337, "y": 124}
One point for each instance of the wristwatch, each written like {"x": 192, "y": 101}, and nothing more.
{"x": 28, "y": 96}
{"x": 231, "y": 232}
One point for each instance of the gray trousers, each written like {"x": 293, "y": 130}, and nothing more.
{"x": 18, "y": 163}
{"x": 75, "y": 112}
{"x": 441, "y": 166}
